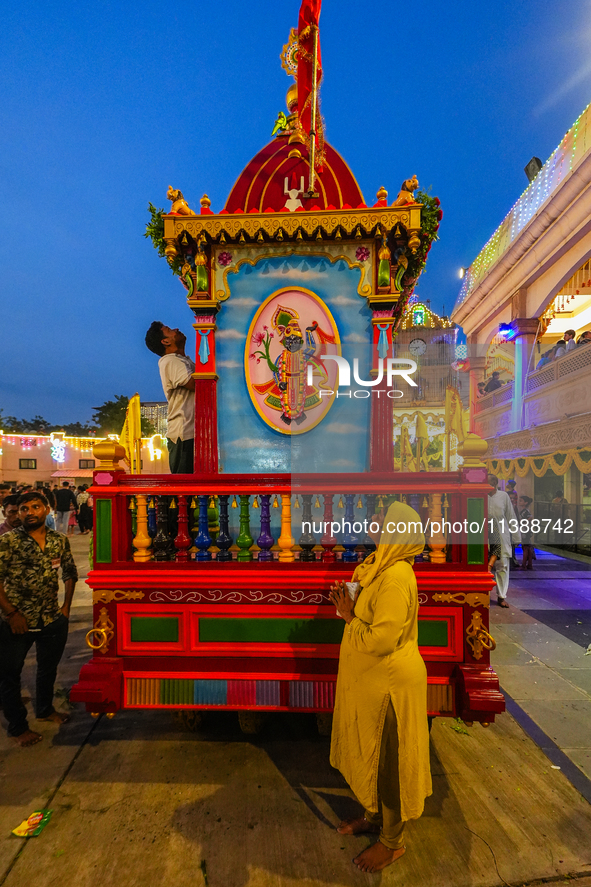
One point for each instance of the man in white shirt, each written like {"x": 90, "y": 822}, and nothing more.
{"x": 176, "y": 373}
{"x": 569, "y": 338}
{"x": 501, "y": 511}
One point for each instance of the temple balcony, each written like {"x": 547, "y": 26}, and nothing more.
{"x": 557, "y": 397}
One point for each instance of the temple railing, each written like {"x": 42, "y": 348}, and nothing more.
{"x": 279, "y": 518}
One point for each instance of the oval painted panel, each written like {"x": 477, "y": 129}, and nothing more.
{"x": 289, "y": 333}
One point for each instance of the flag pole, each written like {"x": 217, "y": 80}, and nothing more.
{"x": 313, "y": 112}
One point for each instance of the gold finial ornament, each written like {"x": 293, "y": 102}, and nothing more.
{"x": 109, "y": 452}
{"x": 291, "y": 98}
{"x": 384, "y": 252}
{"x": 382, "y": 194}
{"x": 205, "y": 201}
{"x": 170, "y": 249}
{"x": 473, "y": 449}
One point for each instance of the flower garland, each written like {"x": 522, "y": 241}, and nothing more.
{"x": 558, "y": 462}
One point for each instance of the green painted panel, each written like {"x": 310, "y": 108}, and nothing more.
{"x": 176, "y": 691}
{"x": 475, "y": 513}
{"x": 271, "y": 631}
{"x": 157, "y": 629}
{"x": 433, "y": 633}
{"x": 102, "y": 541}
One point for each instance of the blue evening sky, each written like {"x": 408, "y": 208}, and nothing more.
{"x": 106, "y": 104}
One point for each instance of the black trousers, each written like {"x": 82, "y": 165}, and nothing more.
{"x": 180, "y": 456}
{"x": 50, "y": 642}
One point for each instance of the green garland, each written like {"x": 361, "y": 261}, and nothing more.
{"x": 431, "y": 215}
{"x": 155, "y": 231}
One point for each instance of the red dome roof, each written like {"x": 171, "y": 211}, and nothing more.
{"x": 261, "y": 184}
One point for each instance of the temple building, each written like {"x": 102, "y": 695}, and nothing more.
{"x": 528, "y": 287}
{"x": 432, "y": 342}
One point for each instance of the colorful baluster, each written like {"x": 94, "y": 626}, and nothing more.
{"x": 182, "y": 541}
{"x": 307, "y": 541}
{"x": 152, "y": 517}
{"x": 414, "y": 500}
{"x": 286, "y": 540}
{"x": 162, "y": 540}
{"x": 203, "y": 539}
{"x": 244, "y": 540}
{"x": 370, "y": 510}
{"x": 133, "y": 510}
{"x": 265, "y": 540}
{"x": 350, "y": 540}
{"x": 213, "y": 519}
{"x": 437, "y": 541}
{"x": 328, "y": 541}
{"x": 224, "y": 540}
{"x": 142, "y": 540}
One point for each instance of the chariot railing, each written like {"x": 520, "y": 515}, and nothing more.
{"x": 282, "y": 518}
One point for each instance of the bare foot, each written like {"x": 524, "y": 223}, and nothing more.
{"x": 377, "y": 857}
{"x": 359, "y": 826}
{"x": 56, "y": 717}
{"x": 28, "y": 738}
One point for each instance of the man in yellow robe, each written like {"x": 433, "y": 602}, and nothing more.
{"x": 380, "y": 734}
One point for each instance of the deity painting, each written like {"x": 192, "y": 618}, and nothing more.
{"x": 290, "y": 386}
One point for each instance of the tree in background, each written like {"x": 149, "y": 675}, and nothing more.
{"x": 108, "y": 419}
{"x": 110, "y": 416}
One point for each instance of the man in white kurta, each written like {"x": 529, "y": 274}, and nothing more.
{"x": 501, "y": 511}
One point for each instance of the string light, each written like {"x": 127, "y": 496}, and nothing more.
{"x": 568, "y": 153}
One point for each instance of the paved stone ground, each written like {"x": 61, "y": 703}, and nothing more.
{"x": 540, "y": 656}
{"x": 138, "y": 800}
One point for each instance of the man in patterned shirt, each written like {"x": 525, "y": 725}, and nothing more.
{"x": 30, "y": 557}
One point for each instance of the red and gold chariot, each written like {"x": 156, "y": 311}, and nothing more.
{"x": 210, "y": 590}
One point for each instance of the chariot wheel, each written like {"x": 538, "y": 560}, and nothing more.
{"x": 251, "y": 722}
{"x": 190, "y": 719}
{"x": 324, "y": 723}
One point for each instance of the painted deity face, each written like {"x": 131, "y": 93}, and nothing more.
{"x": 292, "y": 338}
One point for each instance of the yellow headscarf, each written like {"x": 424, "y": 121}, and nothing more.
{"x": 401, "y": 542}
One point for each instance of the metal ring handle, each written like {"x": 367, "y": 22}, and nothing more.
{"x": 483, "y": 634}
{"x": 103, "y": 641}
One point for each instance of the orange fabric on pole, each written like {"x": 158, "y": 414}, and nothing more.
{"x": 307, "y": 23}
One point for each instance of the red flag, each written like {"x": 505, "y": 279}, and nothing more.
{"x": 307, "y": 25}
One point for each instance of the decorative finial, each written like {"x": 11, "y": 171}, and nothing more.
{"x": 382, "y": 194}
{"x": 292, "y": 98}
{"x": 205, "y": 201}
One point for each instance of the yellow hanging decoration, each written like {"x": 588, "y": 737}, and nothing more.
{"x": 317, "y": 503}
{"x": 380, "y": 502}
{"x": 558, "y": 462}
{"x": 359, "y": 503}
{"x": 255, "y": 504}
{"x": 211, "y": 502}
{"x": 340, "y": 505}
{"x": 275, "y": 503}
{"x": 234, "y": 503}
{"x": 296, "y": 503}
{"x": 172, "y": 505}
{"x": 425, "y": 503}
{"x": 131, "y": 505}
{"x": 193, "y": 503}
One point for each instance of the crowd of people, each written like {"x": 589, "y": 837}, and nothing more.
{"x": 564, "y": 346}
{"x": 69, "y": 507}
